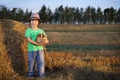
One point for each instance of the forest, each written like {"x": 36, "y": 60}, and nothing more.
{"x": 65, "y": 15}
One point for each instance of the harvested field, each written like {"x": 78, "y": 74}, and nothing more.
{"x": 75, "y": 52}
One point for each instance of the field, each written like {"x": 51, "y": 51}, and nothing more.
{"x": 88, "y": 37}
{"x": 97, "y": 48}
{"x": 75, "y": 52}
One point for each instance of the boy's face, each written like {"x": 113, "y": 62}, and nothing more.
{"x": 34, "y": 22}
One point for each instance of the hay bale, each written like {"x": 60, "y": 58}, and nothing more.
{"x": 13, "y": 47}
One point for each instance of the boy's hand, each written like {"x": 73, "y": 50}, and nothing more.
{"x": 45, "y": 40}
{"x": 42, "y": 40}
{"x": 39, "y": 40}
{"x": 40, "y": 44}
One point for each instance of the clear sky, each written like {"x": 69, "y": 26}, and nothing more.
{"x": 35, "y": 5}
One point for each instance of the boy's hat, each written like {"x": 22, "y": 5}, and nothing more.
{"x": 35, "y": 16}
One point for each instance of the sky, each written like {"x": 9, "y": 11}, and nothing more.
{"x": 35, "y": 5}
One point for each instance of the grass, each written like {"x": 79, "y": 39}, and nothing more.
{"x": 60, "y": 47}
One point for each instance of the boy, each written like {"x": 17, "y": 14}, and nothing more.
{"x": 35, "y": 49}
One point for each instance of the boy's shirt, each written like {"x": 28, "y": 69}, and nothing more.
{"x": 30, "y": 33}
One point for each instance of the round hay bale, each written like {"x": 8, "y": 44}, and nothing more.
{"x": 13, "y": 47}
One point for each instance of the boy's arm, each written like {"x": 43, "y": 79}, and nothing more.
{"x": 46, "y": 41}
{"x": 33, "y": 42}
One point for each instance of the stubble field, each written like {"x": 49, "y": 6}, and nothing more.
{"x": 75, "y": 52}
{"x": 96, "y": 49}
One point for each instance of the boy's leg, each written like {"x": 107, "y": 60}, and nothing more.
{"x": 31, "y": 63}
{"x": 40, "y": 63}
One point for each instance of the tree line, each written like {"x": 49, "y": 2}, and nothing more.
{"x": 65, "y": 15}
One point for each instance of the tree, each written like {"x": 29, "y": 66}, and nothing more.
{"x": 93, "y": 15}
{"x": 66, "y": 12}
{"x": 99, "y": 18}
{"x": 87, "y": 16}
{"x": 61, "y": 14}
{"x": 77, "y": 15}
{"x": 49, "y": 16}
{"x": 107, "y": 15}
{"x": 4, "y": 12}
{"x": 13, "y": 13}
{"x": 56, "y": 16}
{"x": 26, "y": 17}
{"x": 69, "y": 14}
{"x": 43, "y": 14}
{"x": 118, "y": 16}
{"x": 81, "y": 14}
{"x": 72, "y": 15}
{"x": 20, "y": 15}
{"x": 112, "y": 15}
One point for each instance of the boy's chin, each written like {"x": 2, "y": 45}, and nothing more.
{"x": 34, "y": 26}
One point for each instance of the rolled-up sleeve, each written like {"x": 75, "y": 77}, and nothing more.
{"x": 27, "y": 33}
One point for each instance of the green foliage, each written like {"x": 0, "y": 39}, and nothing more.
{"x": 65, "y": 15}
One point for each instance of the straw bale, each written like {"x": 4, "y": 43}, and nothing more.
{"x": 13, "y": 57}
